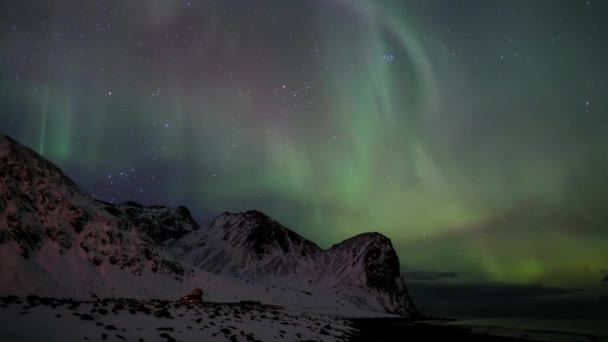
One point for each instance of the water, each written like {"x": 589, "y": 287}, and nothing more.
{"x": 597, "y": 327}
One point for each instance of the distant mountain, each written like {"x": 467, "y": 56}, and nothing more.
{"x": 56, "y": 240}
{"x": 250, "y": 245}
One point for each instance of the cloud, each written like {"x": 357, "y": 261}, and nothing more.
{"x": 456, "y": 285}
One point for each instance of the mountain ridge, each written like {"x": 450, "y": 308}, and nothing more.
{"x": 52, "y": 232}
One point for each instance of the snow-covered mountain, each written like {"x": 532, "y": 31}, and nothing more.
{"x": 52, "y": 231}
{"x": 56, "y": 240}
{"x": 363, "y": 270}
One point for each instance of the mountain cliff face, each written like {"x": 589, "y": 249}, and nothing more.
{"x": 57, "y": 240}
{"x": 369, "y": 261}
{"x": 250, "y": 245}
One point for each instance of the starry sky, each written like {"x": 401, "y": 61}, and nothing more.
{"x": 473, "y": 133}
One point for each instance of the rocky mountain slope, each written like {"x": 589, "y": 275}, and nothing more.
{"x": 43, "y": 211}
{"x": 56, "y": 240}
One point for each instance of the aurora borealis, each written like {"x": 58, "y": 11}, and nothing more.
{"x": 474, "y": 134}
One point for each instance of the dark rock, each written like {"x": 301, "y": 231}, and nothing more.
{"x": 162, "y": 313}
{"x": 118, "y": 307}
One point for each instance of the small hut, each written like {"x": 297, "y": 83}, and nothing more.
{"x": 196, "y": 297}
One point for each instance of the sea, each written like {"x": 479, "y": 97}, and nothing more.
{"x": 596, "y": 327}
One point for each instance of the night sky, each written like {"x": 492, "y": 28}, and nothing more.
{"x": 474, "y": 134}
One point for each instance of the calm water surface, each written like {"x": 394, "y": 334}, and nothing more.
{"x": 583, "y": 326}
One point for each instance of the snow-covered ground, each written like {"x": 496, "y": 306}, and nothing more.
{"x": 44, "y": 319}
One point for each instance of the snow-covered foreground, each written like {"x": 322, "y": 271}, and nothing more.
{"x": 46, "y": 319}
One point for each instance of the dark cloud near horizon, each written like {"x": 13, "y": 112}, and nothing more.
{"x": 429, "y": 276}
{"x": 448, "y": 294}
{"x": 476, "y": 291}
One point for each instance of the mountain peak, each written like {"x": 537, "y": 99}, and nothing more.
{"x": 249, "y": 216}
{"x": 12, "y": 153}
{"x": 369, "y": 236}
{"x": 259, "y": 232}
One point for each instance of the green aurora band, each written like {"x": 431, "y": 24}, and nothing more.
{"x": 477, "y": 145}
